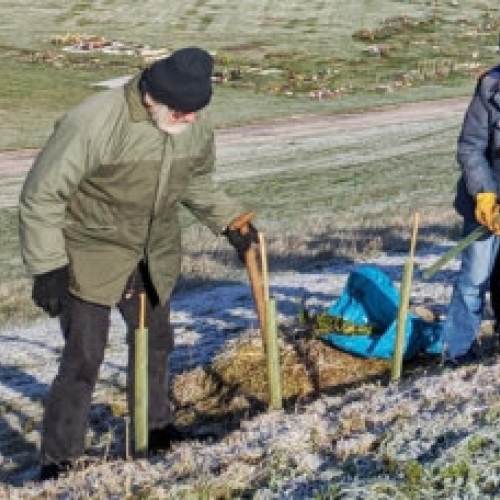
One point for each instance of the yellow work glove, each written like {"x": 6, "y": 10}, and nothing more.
{"x": 488, "y": 212}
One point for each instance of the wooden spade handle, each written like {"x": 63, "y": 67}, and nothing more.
{"x": 254, "y": 274}
{"x": 242, "y": 222}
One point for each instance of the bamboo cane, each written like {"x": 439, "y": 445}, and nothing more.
{"x": 404, "y": 300}
{"x": 271, "y": 335}
{"x": 141, "y": 389}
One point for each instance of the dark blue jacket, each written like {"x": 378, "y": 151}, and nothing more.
{"x": 478, "y": 152}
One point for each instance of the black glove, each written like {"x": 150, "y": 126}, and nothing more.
{"x": 242, "y": 241}
{"x": 49, "y": 290}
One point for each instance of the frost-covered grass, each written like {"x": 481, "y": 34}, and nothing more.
{"x": 432, "y": 435}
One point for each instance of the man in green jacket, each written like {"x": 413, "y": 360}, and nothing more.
{"x": 99, "y": 224}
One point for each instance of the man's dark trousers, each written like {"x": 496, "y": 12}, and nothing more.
{"x": 85, "y": 328}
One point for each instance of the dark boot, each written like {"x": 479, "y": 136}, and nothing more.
{"x": 470, "y": 357}
{"x": 53, "y": 470}
{"x": 163, "y": 439}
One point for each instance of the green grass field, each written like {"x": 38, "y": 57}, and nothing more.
{"x": 363, "y": 52}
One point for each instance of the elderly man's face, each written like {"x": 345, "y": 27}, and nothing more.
{"x": 166, "y": 119}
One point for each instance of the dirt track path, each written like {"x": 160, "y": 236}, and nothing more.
{"x": 310, "y": 125}
{"x": 257, "y": 143}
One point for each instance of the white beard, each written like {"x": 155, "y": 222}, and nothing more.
{"x": 174, "y": 128}
{"x": 163, "y": 120}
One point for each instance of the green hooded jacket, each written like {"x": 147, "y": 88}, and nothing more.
{"x": 105, "y": 191}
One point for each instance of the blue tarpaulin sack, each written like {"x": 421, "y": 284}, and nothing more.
{"x": 370, "y": 298}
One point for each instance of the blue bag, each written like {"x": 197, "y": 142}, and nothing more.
{"x": 370, "y": 298}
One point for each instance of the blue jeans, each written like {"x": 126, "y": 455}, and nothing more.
{"x": 465, "y": 311}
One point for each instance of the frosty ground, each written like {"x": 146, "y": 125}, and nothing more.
{"x": 432, "y": 435}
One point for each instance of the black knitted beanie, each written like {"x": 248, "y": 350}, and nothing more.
{"x": 182, "y": 81}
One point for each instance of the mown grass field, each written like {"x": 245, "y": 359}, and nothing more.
{"x": 276, "y": 60}
{"x": 275, "y": 54}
